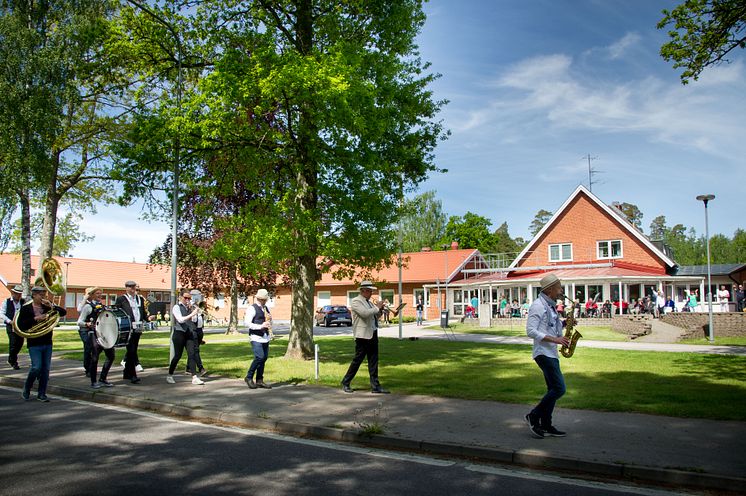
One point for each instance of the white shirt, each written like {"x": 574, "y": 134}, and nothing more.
{"x": 135, "y": 306}
{"x": 16, "y": 304}
{"x": 542, "y": 321}
{"x": 249, "y": 317}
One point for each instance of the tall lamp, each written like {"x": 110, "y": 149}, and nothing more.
{"x": 706, "y": 199}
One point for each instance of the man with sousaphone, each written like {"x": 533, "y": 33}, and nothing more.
{"x": 35, "y": 321}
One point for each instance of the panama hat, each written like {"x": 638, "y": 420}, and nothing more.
{"x": 548, "y": 281}
{"x": 262, "y": 294}
{"x": 368, "y": 285}
{"x": 17, "y": 289}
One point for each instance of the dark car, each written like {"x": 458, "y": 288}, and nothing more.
{"x": 333, "y": 314}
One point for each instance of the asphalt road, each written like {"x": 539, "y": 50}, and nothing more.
{"x": 69, "y": 447}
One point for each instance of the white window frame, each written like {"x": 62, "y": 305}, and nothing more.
{"x": 608, "y": 242}
{"x": 351, "y": 295}
{"x": 560, "y": 259}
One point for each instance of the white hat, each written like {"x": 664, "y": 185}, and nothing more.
{"x": 368, "y": 285}
{"x": 548, "y": 280}
{"x": 262, "y": 294}
{"x": 17, "y": 289}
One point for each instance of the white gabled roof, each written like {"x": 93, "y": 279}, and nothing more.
{"x": 614, "y": 213}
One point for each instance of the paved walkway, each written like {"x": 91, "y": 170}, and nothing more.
{"x": 703, "y": 453}
{"x": 661, "y": 332}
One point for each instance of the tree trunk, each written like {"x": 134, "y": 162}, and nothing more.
{"x": 300, "y": 344}
{"x": 25, "y": 242}
{"x": 233, "y": 319}
{"x": 300, "y": 341}
{"x": 51, "y": 205}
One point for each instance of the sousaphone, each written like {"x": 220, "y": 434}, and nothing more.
{"x": 51, "y": 277}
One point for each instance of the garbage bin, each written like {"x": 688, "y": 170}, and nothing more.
{"x": 444, "y": 318}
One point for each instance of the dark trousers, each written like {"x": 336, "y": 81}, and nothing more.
{"x": 555, "y": 389}
{"x": 96, "y": 351}
{"x": 261, "y": 353}
{"x": 85, "y": 337}
{"x": 195, "y": 344}
{"x": 180, "y": 339}
{"x": 364, "y": 348}
{"x": 130, "y": 358}
{"x": 15, "y": 343}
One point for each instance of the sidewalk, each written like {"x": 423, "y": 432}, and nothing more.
{"x": 692, "y": 452}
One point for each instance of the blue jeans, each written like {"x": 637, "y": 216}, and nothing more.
{"x": 419, "y": 317}
{"x": 41, "y": 362}
{"x": 555, "y": 389}
{"x": 261, "y": 353}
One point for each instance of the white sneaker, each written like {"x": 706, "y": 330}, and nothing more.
{"x": 122, "y": 362}
{"x": 170, "y": 379}
{"x": 138, "y": 368}
{"x": 196, "y": 380}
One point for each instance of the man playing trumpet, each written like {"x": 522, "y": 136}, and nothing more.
{"x": 31, "y": 315}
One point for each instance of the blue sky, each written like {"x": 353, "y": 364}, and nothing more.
{"x": 534, "y": 86}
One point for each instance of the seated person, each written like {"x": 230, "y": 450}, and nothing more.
{"x": 606, "y": 309}
{"x": 515, "y": 309}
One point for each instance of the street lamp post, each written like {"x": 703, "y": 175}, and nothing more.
{"x": 705, "y": 199}
{"x": 67, "y": 281}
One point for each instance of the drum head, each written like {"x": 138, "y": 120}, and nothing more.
{"x": 107, "y": 329}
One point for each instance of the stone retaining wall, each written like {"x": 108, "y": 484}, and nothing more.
{"x": 696, "y": 325}
{"x": 632, "y": 325}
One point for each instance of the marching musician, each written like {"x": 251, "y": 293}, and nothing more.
{"x": 185, "y": 328}
{"x": 39, "y": 348}
{"x": 545, "y": 327}
{"x": 259, "y": 322}
{"x": 87, "y": 320}
{"x": 194, "y": 344}
{"x": 11, "y": 307}
{"x": 134, "y": 306}
{"x": 83, "y": 331}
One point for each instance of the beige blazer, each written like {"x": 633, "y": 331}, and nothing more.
{"x": 364, "y": 315}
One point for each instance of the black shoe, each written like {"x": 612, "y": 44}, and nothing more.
{"x": 106, "y": 383}
{"x": 347, "y": 389}
{"x": 533, "y": 425}
{"x": 553, "y": 431}
{"x": 380, "y": 390}
{"x": 263, "y": 385}
{"x": 15, "y": 366}
{"x": 250, "y": 383}
{"x": 43, "y": 398}
{"x": 135, "y": 380}
{"x": 25, "y": 395}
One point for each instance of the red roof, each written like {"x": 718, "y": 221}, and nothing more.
{"x": 83, "y": 272}
{"x": 417, "y": 267}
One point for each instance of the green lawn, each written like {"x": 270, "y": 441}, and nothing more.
{"x": 596, "y": 333}
{"x": 675, "y": 384}
{"x": 719, "y": 340}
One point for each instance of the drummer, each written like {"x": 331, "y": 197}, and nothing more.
{"x": 87, "y": 319}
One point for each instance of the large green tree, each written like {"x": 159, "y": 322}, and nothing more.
{"x": 423, "y": 222}
{"x": 703, "y": 34}
{"x": 313, "y": 116}
{"x": 541, "y": 218}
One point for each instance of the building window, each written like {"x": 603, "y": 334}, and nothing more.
{"x": 561, "y": 252}
{"x": 387, "y": 295}
{"x": 610, "y": 249}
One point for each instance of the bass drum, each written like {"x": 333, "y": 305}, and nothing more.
{"x": 113, "y": 328}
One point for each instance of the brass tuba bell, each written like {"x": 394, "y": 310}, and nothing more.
{"x": 51, "y": 277}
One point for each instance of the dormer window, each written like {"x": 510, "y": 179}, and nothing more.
{"x": 609, "y": 249}
{"x": 561, "y": 252}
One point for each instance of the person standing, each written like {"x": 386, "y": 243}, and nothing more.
{"x": 420, "y": 307}
{"x": 85, "y": 328}
{"x": 365, "y": 329}
{"x": 39, "y": 348}
{"x": 544, "y": 326}
{"x": 185, "y": 315}
{"x": 475, "y": 304}
{"x": 740, "y": 298}
{"x": 10, "y": 309}
{"x": 87, "y": 319}
{"x": 134, "y": 306}
{"x": 259, "y": 321}
{"x": 724, "y": 299}
{"x": 660, "y": 304}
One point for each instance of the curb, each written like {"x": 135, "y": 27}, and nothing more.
{"x": 523, "y": 458}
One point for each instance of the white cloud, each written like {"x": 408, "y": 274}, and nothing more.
{"x": 619, "y": 48}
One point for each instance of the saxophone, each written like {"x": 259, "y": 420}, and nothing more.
{"x": 571, "y": 334}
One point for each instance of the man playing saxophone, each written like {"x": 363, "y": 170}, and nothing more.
{"x": 38, "y": 314}
{"x": 545, "y": 328}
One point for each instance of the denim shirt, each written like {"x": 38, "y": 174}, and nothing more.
{"x": 543, "y": 320}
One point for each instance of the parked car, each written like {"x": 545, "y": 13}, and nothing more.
{"x": 333, "y": 314}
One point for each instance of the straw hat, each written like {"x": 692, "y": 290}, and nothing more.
{"x": 548, "y": 280}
